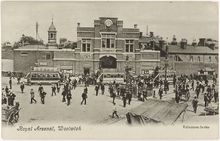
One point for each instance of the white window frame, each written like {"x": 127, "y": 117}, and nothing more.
{"x": 210, "y": 59}
{"x": 86, "y": 41}
{"x": 191, "y": 58}
{"x": 199, "y": 59}
{"x": 111, "y": 36}
{"x": 129, "y": 44}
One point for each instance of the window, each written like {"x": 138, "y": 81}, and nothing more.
{"x": 191, "y": 58}
{"x": 210, "y": 59}
{"x": 129, "y": 45}
{"x": 24, "y": 54}
{"x": 51, "y": 35}
{"x": 198, "y": 58}
{"x": 86, "y": 45}
{"x": 108, "y": 41}
{"x": 47, "y": 56}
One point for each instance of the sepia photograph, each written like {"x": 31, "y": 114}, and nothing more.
{"x": 109, "y": 70}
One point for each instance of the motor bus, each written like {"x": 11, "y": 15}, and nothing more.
{"x": 111, "y": 77}
{"x": 43, "y": 75}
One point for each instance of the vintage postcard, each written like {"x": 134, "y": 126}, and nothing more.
{"x": 109, "y": 70}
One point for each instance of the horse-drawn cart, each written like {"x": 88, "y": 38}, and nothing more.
{"x": 10, "y": 115}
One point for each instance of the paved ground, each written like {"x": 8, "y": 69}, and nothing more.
{"x": 97, "y": 110}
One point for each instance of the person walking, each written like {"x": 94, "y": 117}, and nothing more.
{"x": 103, "y": 89}
{"x": 216, "y": 96}
{"x": 22, "y": 87}
{"x": 195, "y": 104}
{"x": 124, "y": 99}
{"x": 96, "y": 90}
{"x": 64, "y": 95}
{"x": 129, "y": 97}
{"x": 177, "y": 96}
{"x": 115, "y": 111}
{"x": 4, "y": 97}
{"x": 192, "y": 85}
{"x": 10, "y": 83}
{"x": 68, "y": 97}
{"x": 6, "y": 90}
{"x": 42, "y": 96}
{"x": 197, "y": 90}
{"x": 40, "y": 89}
{"x": 84, "y": 97}
{"x": 11, "y": 99}
{"x": 113, "y": 97}
{"x": 160, "y": 92}
{"x": 32, "y": 96}
{"x": 58, "y": 87}
{"x": 53, "y": 90}
{"x": 206, "y": 99}
{"x": 145, "y": 95}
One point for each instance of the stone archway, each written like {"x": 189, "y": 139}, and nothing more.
{"x": 108, "y": 62}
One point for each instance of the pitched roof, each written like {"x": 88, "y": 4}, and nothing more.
{"x": 52, "y": 27}
{"x": 130, "y": 30}
{"x": 85, "y": 29}
{"x": 31, "y": 47}
{"x": 40, "y": 48}
{"x": 192, "y": 50}
{"x": 148, "y": 39}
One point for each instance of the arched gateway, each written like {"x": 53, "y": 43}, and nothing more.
{"x": 108, "y": 62}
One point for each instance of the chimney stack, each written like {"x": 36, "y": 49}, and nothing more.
{"x": 141, "y": 34}
{"x": 135, "y": 25}
{"x": 78, "y": 24}
{"x": 202, "y": 42}
{"x": 183, "y": 43}
{"x": 161, "y": 43}
{"x": 151, "y": 34}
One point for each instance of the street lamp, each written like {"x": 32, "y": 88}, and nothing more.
{"x": 166, "y": 65}
{"x": 127, "y": 73}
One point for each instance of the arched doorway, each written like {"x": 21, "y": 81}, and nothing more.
{"x": 108, "y": 62}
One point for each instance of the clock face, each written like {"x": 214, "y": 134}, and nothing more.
{"x": 108, "y": 22}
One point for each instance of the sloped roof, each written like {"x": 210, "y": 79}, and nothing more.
{"x": 52, "y": 27}
{"x": 31, "y": 47}
{"x": 148, "y": 39}
{"x": 192, "y": 50}
{"x": 84, "y": 29}
{"x": 159, "y": 111}
{"x": 130, "y": 30}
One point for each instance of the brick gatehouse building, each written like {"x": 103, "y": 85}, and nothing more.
{"x": 106, "y": 45}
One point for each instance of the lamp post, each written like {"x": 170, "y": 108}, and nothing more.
{"x": 166, "y": 65}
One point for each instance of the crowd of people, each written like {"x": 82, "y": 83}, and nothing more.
{"x": 185, "y": 86}
{"x": 140, "y": 88}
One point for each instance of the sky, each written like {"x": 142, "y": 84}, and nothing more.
{"x": 190, "y": 20}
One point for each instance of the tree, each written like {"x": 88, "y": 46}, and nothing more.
{"x": 27, "y": 40}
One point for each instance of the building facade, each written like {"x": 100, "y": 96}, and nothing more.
{"x": 190, "y": 59}
{"x": 106, "y": 45}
